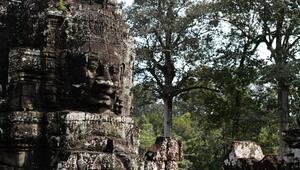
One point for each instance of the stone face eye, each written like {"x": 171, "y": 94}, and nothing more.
{"x": 113, "y": 70}
{"x": 100, "y": 69}
{"x": 93, "y": 65}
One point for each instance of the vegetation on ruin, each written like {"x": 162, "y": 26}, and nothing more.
{"x": 63, "y": 6}
{"x": 225, "y": 70}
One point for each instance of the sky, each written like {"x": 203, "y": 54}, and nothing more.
{"x": 127, "y": 2}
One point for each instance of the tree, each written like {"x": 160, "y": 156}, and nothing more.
{"x": 276, "y": 25}
{"x": 234, "y": 69}
{"x": 167, "y": 47}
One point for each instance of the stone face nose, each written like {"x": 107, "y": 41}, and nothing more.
{"x": 103, "y": 74}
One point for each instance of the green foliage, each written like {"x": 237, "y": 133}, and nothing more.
{"x": 241, "y": 98}
{"x": 147, "y": 135}
{"x": 63, "y": 6}
{"x": 184, "y": 126}
{"x": 275, "y": 24}
{"x": 207, "y": 150}
{"x": 268, "y": 139}
{"x": 150, "y": 126}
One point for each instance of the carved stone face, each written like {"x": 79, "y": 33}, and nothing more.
{"x": 95, "y": 80}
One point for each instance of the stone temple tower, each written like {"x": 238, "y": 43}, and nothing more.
{"x": 65, "y": 76}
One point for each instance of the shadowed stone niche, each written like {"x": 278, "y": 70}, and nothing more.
{"x": 65, "y": 81}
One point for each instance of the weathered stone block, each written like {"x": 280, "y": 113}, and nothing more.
{"x": 174, "y": 152}
{"x": 24, "y": 59}
{"x": 165, "y": 149}
{"x": 71, "y": 131}
{"x": 79, "y": 125}
{"x": 25, "y": 72}
{"x": 170, "y": 165}
{"x": 154, "y": 165}
{"x": 21, "y": 126}
{"x": 164, "y": 154}
{"x": 244, "y": 154}
{"x": 93, "y": 160}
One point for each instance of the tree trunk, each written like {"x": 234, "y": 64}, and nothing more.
{"x": 283, "y": 114}
{"x": 168, "y": 106}
{"x": 3, "y": 72}
{"x": 237, "y": 115}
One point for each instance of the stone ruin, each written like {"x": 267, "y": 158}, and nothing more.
{"x": 66, "y": 90}
{"x": 164, "y": 154}
{"x": 247, "y": 155}
{"x": 292, "y": 151}
{"x": 65, "y": 81}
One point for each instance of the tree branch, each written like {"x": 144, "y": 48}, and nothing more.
{"x": 157, "y": 34}
{"x": 179, "y": 91}
{"x": 293, "y": 43}
{"x": 151, "y": 70}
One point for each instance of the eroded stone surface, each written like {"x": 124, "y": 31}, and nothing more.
{"x": 243, "y": 150}
{"x": 164, "y": 154}
{"x": 292, "y": 151}
{"x": 88, "y": 160}
{"x": 246, "y": 155}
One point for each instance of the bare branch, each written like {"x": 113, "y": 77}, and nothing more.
{"x": 179, "y": 91}
{"x": 293, "y": 43}
{"x": 151, "y": 70}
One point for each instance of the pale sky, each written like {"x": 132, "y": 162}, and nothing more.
{"x": 127, "y": 2}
